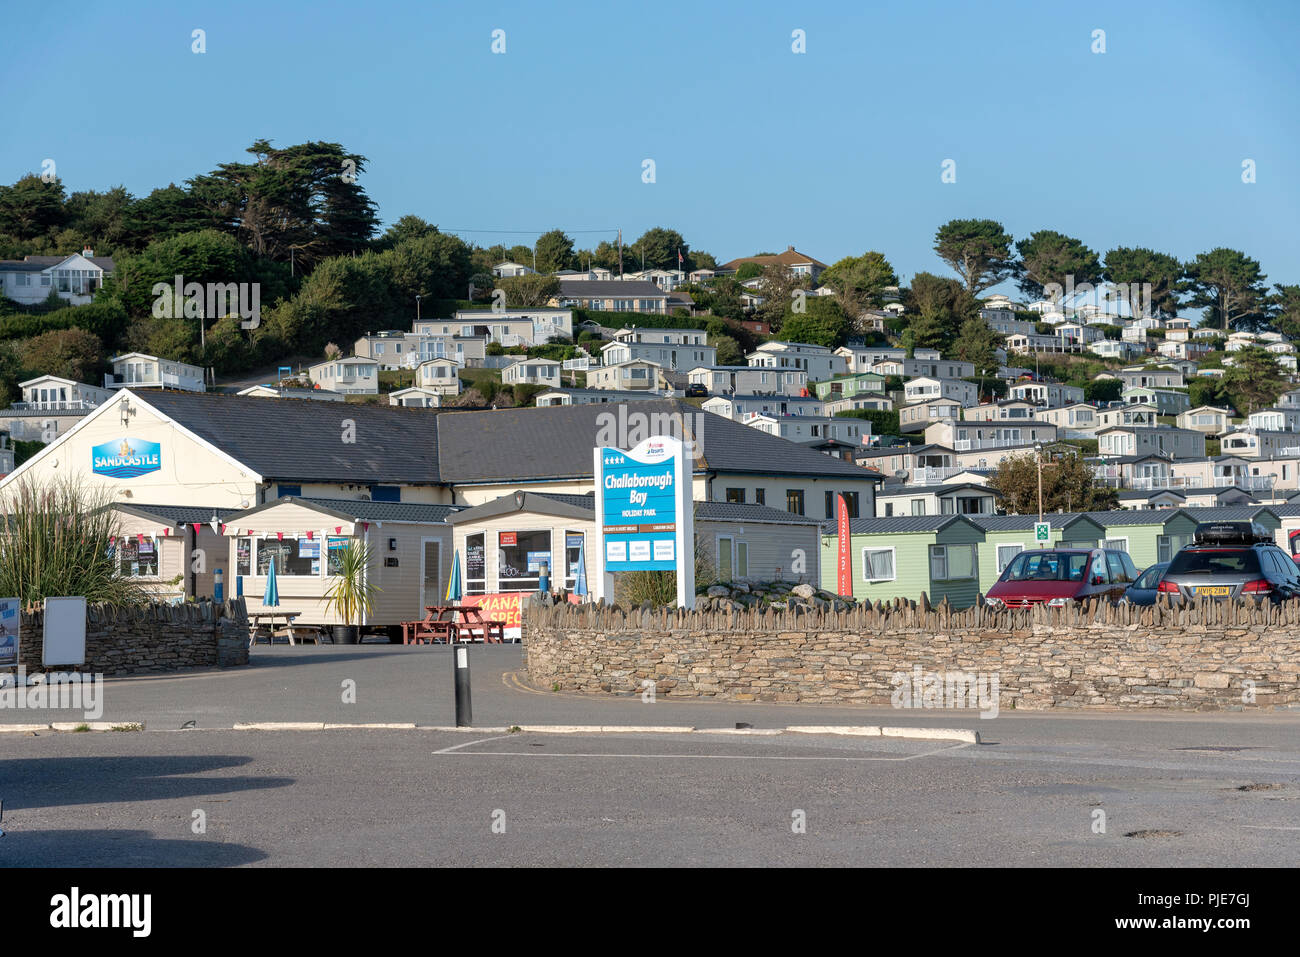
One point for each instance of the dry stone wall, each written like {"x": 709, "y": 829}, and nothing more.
{"x": 145, "y": 639}
{"x": 1210, "y": 656}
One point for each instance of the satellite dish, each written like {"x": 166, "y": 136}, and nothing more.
{"x": 901, "y": 474}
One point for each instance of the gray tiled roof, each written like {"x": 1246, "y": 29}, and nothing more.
{"x": 529, "y": 443}
{"x": 177, "y": 514}
{"x": 733, "y": 512}
{"x": 898, "y": 524}
{"x": 304, "y": 440}
{"x": 362, "y": 511}
{"x": 610, "y": 289}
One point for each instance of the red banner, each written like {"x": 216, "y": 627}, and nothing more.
{"x": 844, "y": 585}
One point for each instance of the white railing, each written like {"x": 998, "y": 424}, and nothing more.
{"x": 932, "y": 475}
{"x": 81, "y": 405}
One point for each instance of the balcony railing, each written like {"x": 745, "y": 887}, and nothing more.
{"x": 81, "y": 405}
{"x": 166, "y": 380}
{"x": 932, "y": 475}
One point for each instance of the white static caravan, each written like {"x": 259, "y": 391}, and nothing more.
{"x": 410, "y": 562}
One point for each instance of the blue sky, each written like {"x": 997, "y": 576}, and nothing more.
{"x": 836, "y": 151}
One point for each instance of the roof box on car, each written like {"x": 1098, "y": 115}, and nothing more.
{"x": 1231, "y": 533}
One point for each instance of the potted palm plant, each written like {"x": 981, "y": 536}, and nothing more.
{"x": 351, "y": 595}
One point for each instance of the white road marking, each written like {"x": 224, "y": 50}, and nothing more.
{"x": 466, "y": 744}
{"x": 716, "y": 757}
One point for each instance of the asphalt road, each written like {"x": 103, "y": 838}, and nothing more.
{"x": 350, "y": 798}
{"x": 1192, "y": 789}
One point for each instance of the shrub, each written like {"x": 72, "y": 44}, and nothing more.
{"x": 59, "y": 543}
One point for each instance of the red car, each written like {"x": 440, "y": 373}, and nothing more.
{"x": 1058, "y": 576}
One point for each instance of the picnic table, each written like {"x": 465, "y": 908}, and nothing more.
{"x": 440, "y": 624}
{"x": 262, "y": 625}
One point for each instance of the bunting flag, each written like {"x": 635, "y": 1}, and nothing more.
{"x": 223, "y": 529}
{"x": 311, "y": 536}
{"x": 167, "y": 532}
{"x": 338, "y": 529}
{"x": 365, "y": 526}
{"x": 112, "y": 539}
{"x": 139, "y": 537}
{"x": 279, "y": 536}
{"x": 197, "y": 526}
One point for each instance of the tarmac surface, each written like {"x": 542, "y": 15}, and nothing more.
{"x": 1040, "y": 789}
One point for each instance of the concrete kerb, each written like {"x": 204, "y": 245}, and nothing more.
{"x": 863, "y": 731}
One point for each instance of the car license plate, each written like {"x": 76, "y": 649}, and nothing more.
{"x": 1213, "y": 590}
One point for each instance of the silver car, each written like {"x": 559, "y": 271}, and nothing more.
{"x": 1231, "y": 560}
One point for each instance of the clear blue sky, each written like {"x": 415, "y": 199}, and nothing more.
{"x": 836, "y": 151}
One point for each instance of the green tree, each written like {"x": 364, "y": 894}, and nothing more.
{"x": 1204, "y": 390}
{"x": 748, "y": 271}
{"x": 529, "y": 291}
{"x": 778, "y": 286}
{"x": 658, "y": 248}
{"x": 1253, "y": 382}
{"x": 69, "y": 353}
{"x": 31, "y": 207}
{"x": 406, "y": 228}
{"x": 1103, "y": 390}
{"x": 1068, "y": 485}
{"x": 978, "y": 344}
{"x": 823, "y": 323}
{"x": 1230, "y": 286}
{"x": 729, "y": 352}
{"x": 859, "y": 281}
{"x": 554, "y": 252}
{"x": 924, "y": 332}
{"x": 1048, "y": 257}
{"x": 978, "y": 250}
{"x": 1136, "y": 268}
{"x": 304, "y": 199}
{"x": 1284, "y": 310}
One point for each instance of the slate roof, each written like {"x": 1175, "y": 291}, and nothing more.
{"x": 303, "y": 441}
{"x": 887, "y": 490}
{"x": 734, "y": 512}
{"x": 609, "y": 289}
{"x": 362, "y": 511}
{"x": 506, "y": 445}
{"x": 177, "y": 514}
{"x": 896, "y": 525}
{"x": 299, "y": 441}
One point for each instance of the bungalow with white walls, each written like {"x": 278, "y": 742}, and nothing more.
{"x": 927, "y": 387}
{"x": 74, "y": 278}
{"x": 354, "y": 375}
{"x": 1209, "y": 419}
{"x": 532, "y": 372}
{"x": 1178, "y": 443}
{"x": 748, "y": 380}
{"x": 921, "y": 415}
{"x": 438, "y": 375}
{"x": 136, "y": 370}
{"x": 637, "y": 375}
{"x": 806, "y": 428}
{"x": 738, "y": 406}
{"x": 817, "y": 362}
{"x": 50, "y": 406}
{"x": 416, "y": 397}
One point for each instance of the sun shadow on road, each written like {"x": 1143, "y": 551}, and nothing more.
{"x": 109, "y": 848}
{"x": 62, "y": 781}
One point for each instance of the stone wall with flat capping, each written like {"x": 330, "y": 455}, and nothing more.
{"x": 1207, "y": 656}
{"x": 146, "y": 639}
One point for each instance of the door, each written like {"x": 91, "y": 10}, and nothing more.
{"x": 431, "y": 590}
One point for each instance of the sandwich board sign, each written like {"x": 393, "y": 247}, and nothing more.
{"x": 65, "y": 632}
{"x": 644, "y": 513}
{"x": 1042, "y": 532}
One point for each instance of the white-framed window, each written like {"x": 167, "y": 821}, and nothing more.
{"x": 1008, "y": 552}
{"x": 952, "y": 562}
{"x": 878, "y": 565}
{"x": 724, "y": 553}
{"x": 137, "y": 556}
{"x": 1118, "y": 544}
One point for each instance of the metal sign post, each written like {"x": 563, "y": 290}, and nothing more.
{"x": 464, "y": 713}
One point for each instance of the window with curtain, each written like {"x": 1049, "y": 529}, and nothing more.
{"x": 878, "y": 565}
{"x": 952, "y": 562}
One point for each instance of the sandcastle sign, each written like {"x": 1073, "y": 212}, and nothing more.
{"x": 643, "y": 505}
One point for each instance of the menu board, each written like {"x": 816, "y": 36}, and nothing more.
{"x": 475, "y": 564}
{"x": 243, "y": 556}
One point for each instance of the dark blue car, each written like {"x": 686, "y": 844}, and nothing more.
{"x": 1143, "y": 590}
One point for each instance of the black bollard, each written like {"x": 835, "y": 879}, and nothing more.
{"x": 460, "y": 665}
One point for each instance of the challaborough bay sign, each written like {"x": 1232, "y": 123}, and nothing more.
{"x": 129, "y": 458}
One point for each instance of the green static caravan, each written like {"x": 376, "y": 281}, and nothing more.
{"x": 903, "y": 557}
{"x": 1006, "y": 536}
{"x": 845, "y": 387}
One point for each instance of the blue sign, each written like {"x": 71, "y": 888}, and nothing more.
{"x": 639, "y": 523}
{"x": 129, "y": 458}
